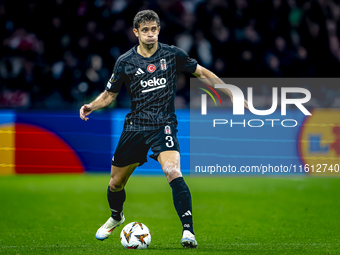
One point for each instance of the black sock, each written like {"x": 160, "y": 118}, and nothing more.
{"x": 116, "y": 200}
{"x": 182, "y": 202}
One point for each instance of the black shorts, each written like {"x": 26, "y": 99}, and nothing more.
{"x": 133, "y": 146}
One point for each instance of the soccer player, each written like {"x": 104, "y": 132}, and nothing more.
{"x": 149, "y": 72}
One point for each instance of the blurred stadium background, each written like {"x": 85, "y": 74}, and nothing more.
{"x": 58, "y": 54}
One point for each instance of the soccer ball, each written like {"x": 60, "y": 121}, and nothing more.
{"x": 135, "y": 235}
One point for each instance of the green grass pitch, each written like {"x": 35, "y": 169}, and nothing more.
{"x": 60, "y": 214}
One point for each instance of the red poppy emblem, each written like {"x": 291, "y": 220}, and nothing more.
{"x": 151, "y": 68}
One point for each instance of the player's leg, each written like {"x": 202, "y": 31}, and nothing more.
{"x": 116, "y": 198}
{"x": 166, "y": 152}
{"x": 170, "y": 162}
{"x": 130, "y": 152}
{"x": 116, "y": 191}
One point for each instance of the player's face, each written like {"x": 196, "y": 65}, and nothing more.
{"x": 147, "y": 34}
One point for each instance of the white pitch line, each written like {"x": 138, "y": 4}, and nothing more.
{"x": 202, "y": 244}
{"x": 45, "y": 246}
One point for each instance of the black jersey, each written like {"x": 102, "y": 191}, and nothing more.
{"x": 151, "y": 84}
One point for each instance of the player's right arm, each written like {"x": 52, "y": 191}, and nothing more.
{"x": 103, "y": 100}
{"x": 110, "y": 93}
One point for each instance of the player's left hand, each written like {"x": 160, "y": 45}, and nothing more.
{"x": 85, "y": 110}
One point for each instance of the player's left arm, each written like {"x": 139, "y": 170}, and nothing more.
{"x": 210, "y": 79}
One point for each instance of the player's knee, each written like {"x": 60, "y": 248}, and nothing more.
{"x": 116, "y": 185}
{"x": 172, "y": 170}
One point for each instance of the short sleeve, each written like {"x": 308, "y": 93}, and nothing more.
{"x": 117, "y": 78}
{"x": 184, "y": 62}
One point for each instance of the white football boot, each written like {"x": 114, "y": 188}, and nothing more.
{"x": 188, "y": 240}
{"x": 106, "y": 230}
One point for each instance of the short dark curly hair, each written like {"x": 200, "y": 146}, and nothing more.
{"x": 145, "y": 16}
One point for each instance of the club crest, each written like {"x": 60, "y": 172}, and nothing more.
{"x": 167, "y": 130}
{"x": 163, "y": 64}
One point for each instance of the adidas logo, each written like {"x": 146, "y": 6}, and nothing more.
{"x": 188, "y": 213}
{"x": 139, "y": 72}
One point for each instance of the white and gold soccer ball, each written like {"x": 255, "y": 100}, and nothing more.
{"x": 135, "y": 235}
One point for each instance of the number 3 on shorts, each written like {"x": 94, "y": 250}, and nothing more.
{"x": 170, "y": 142}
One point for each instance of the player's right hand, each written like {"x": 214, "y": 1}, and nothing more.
{"x": 85, "y": 110}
